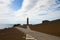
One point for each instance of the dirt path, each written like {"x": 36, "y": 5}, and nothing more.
{"x": 38, "y": 35}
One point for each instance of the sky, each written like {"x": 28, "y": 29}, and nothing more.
{"x": 16, "y": 11}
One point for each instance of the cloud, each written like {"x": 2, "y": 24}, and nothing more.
{"x": 5, "y": 11}
{"x": 34, "y": 8}
{"x": 4, "y": 6}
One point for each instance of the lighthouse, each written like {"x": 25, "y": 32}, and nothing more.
{"x": 28, "y": 28}
{"x": 27, "y": 21}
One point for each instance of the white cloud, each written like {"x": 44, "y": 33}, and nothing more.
{"x": 4, "y": 6}
{"x": 6, "y": 15}
{"x": 30, "y": 8}
{"x": 5, "y": 11}
{"x": 36, "y": 10}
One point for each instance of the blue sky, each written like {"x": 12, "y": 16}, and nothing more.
{"x": 16, "y": 11}
{"x": 54, "y": 8}
{"x": 17, "y": 4}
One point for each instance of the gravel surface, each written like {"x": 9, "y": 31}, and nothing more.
{"x": 38, "y": 35}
